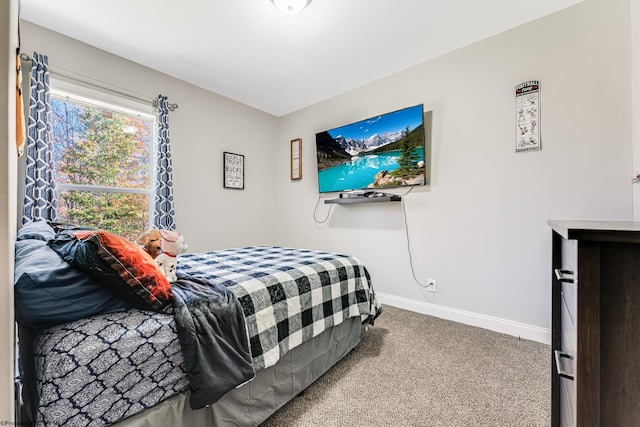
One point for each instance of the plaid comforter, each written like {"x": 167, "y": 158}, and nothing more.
{"x": 99, "y": 370}
{"x": 288, "y": 295}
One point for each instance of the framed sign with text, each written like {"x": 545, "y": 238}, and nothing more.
{"x": 528, "y": 116}
{"x": 233, "y": 166}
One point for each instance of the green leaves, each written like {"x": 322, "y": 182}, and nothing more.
{"x": 94, "y": 146}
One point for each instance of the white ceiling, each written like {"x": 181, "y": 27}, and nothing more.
{"x": 248, "y": 51}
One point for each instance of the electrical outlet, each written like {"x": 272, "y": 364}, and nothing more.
{"x": 432, "y": 286}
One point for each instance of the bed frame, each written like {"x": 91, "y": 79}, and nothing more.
{"x": 300, "y": 311}
{"x": 255, "y": 401}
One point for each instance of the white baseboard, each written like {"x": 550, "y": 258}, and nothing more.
{"x": 504, "y": 326}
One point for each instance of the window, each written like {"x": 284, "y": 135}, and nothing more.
{"x": 103, "y": 156}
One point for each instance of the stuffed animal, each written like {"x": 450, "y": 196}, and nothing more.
{"x": 172, "y": 245}
{"x": 150, "y": 242}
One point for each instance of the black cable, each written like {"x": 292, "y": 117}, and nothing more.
{"x": 410, "y": 190}
{"x": 406, "y": 228}
{"x": 316, "y": 209}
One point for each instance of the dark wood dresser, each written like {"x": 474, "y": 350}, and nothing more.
{"x": 595, "y": 325}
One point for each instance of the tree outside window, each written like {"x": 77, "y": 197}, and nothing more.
{"x": 103, "y": 165}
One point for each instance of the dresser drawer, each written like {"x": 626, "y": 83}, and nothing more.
{"x": 566, "y": 355}
{"x": 568, "y": 292}
{"x": 567, "y": 402}
{"x": 595, "y": 318}
{"x": 568, "y": 341}
{"x": 569, "y": 257}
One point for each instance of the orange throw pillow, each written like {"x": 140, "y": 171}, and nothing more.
{"x": 134, "y": 266}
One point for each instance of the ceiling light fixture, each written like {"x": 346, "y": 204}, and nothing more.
{"x": 291, "y": 7}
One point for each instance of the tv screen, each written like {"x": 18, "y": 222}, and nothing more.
{"x": 381, "y": 152}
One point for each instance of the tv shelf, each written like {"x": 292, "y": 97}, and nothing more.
{"x": 364, "y": 199}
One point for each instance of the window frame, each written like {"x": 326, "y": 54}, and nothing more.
{"x": 86, "y": 93}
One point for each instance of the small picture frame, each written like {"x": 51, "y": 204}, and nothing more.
{"x": 296, "y": 159}
{"x": 233, "y": 167}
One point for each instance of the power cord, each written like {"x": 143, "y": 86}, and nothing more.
{"x": 315, "y": 210}
{"x": 406, "y": 228}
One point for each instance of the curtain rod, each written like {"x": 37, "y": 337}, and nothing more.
{"x": 69, "y": 75}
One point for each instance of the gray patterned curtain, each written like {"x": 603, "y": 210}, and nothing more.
{"x": 163, "y": 212}
{"x": 40, "y": 191}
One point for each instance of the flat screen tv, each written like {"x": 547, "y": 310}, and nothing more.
{"x": 384, "y": 151}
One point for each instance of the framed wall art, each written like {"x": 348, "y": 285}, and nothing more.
{"x": 233, "y": 167}
{"x": 296, "y": 159}
{"x": 528, "y": 116}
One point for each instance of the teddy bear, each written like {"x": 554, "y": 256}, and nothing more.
{"x": 172, "y": 244}
{"x": 150, "y": 242}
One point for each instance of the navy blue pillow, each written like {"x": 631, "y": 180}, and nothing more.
{"x": 50, "y": 291}
{"x": 40, "y": 230}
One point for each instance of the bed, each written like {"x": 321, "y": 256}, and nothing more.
{"x": 239, "y": 334}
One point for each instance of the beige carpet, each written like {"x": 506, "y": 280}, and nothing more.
{"x": 416, "y": 370}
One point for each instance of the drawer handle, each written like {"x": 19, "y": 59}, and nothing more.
{"x": 558, "y": 354}
{"x": 560, "y": 275}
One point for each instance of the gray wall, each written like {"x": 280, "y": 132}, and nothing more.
{"x": 480, "y": 228}
{"x": 204, "y": 125}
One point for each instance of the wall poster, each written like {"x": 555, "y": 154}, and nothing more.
{"x": 528, "y": 116}
{"x": 233, "y": 171}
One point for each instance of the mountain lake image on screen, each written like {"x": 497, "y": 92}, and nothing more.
{"x": 381, "y": 152}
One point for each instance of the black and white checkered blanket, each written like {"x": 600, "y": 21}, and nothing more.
{"x": 288, "y": 295}
{"x": 99, "y": 370}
